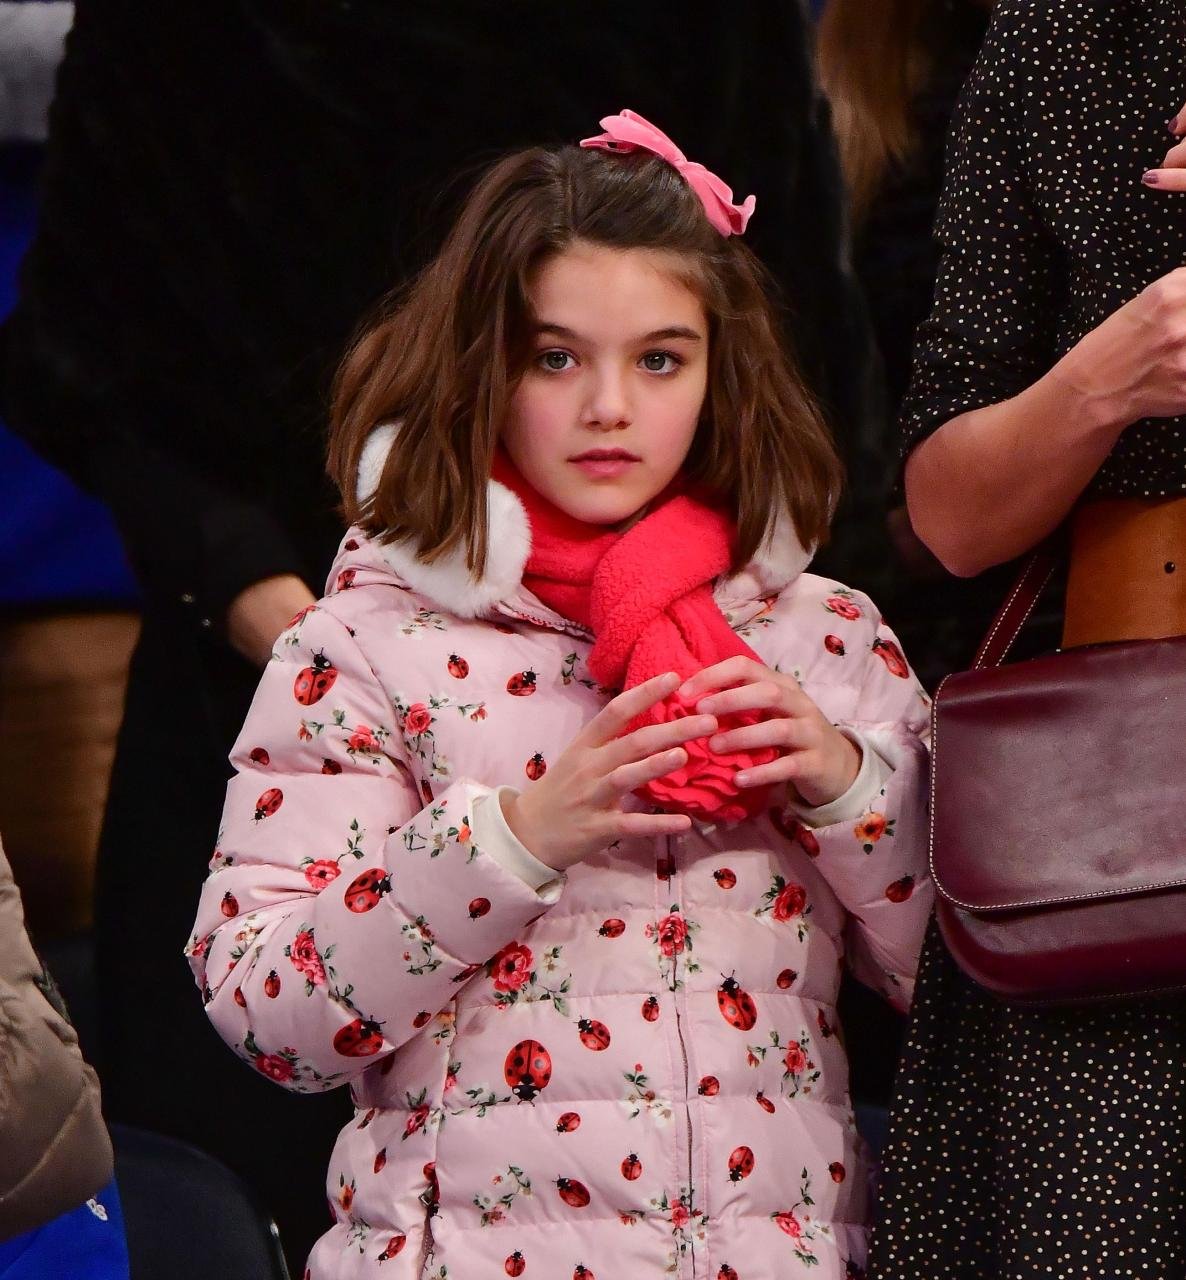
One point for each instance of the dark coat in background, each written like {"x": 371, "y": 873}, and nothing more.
{"x": 228, "y": 189}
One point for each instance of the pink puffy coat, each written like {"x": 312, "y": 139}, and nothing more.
{"x": 638, "y": 1073}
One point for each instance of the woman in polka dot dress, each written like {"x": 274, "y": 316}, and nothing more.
{"x": 1050, "y": 381}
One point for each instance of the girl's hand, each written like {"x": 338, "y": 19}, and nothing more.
{"x": 575, "y": 809}
{"x": 819, "y": 762}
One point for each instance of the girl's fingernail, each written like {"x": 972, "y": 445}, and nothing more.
{"x": 741, "y": 778}
{"x": 716, "y": 743}
{"x": 1151, "y": 178}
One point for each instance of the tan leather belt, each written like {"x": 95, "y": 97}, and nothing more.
{"x": 1127, "y": 577}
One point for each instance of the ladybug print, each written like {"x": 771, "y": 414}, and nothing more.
{"x": 422, "y": 1019}
{"x": 834, "y": 645}
{"x": 522, "y": 684}
{"x": 612, "y": 928}
{"x": 726, "y": 1272}
{"x": 268, "y": 803}
{"x": 785, "y": 978}
{"x": 536, "y": 767}
{"x": 574, "y": 1194}
{"x": 359, "y": 1039}
{"x": 582, "y": 1272}
{"x": 351, "y": 544}
{"x": 900, "y": 890}
{"x": 708, "y": 1087}
{"x": 836, "y": 1169}
{"x": 260, "y": 757}
{"x": 725, "y": 877}
{"x": 240, "y": 998}
{"x": 665, "y": 868}
{"x": 478, "y": 908}
{"x": 330, "y": 767}
{"x": 394, "y": 1246}
{"x": 346, "y": 579}
{"x": 527, "y": 1069}
{"x": 229, "y": 906}
{"x": 631, "y": 1168}
{"x": 741, "y": 1164}
{"x": 365, "y": 891}
{"x": 515, "y": 1264}
{"x": 764, "y": 1102}
{"x": 650, "y": 1008}
{"x": 737, "y": 1006}
{"x": 431, "y": 1195}
{"x": 569, "y": 1122}
{"x": 458, "y": 667}
{"x": 594, "y": 1035}
{"x": 313, "y": 683}
{"x": 381, "y": 1160}
{"x": 825, "y": 1028}
{"x": 272, "y": 985}
{"x": 892, "y": 656}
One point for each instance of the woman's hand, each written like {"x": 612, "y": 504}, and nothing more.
{"x": 575, "y": 809}
{"x": 1171, "y": 176}
{"x": 819, "y": 762}
{"x": 259, "y": 613}
{"x": 1133, "y": 364}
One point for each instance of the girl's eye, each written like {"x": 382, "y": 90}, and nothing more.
{"x": 554, "y": 361}
{"x": 661, "y": 362}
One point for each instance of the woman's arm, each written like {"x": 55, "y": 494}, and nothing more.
{"x": 991, "y": 483}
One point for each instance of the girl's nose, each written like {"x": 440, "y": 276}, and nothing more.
{"x": 608, "y": 404}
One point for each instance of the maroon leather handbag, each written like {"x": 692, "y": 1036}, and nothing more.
{"x": 1058, "y": 814}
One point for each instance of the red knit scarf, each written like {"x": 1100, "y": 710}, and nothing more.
{"x": 646, "y": 594}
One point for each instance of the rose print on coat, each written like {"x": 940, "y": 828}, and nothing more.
{"x": 516, "y": 977}
{"x": 320, "y": 872}
{"x": 673, "y": 935}
{"x": 786, "y": 902}
{"x": 361, "y": 741}
{"x": 306, "y": 959}
{"x": 799, "y": 1072}
{"x": 641, "y": 1095}
{"x": 283, "y": 1066}
{"x": 871, "y": 828}
{"x": 843, "y": 604}
{"x": 511, "y": 1185}
{"x": 689, "y": 1226}
{"x": 440, "y": 834}
{"x": 416, "y": 721}
{"x": 568, "y": 673}
{"x": 420, "y": 1115}
{"x": 424, "y": 620}
{"x": 799, "y": 1226}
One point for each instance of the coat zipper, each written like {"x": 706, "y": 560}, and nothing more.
{"x": 669, "y": 862}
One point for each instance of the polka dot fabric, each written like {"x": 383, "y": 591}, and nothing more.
{"x": 1045, "y": 226}
{"x": 1034, "y": 1144}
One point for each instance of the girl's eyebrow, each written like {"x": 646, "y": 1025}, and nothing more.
{"x": 656, "y": 335}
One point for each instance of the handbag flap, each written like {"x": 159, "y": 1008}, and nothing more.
{"x": 1061, "y": 779}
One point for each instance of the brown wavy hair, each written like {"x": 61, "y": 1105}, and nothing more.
{"x": 871, "y": 63}
{"x": 445, "y": 356}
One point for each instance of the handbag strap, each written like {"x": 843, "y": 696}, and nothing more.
{"x": 1018, "y": 606}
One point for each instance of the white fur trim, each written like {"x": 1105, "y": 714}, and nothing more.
{"x": 448, "y": 582}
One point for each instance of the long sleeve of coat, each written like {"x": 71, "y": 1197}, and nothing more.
{"x": 340, "y": 914}
{"x": 877, "y": 864}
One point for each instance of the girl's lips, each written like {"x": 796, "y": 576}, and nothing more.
{"x": 604, "y": 467}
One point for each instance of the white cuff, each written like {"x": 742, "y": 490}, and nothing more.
{"x": 494, "y": 837}
{"x": 872, "y": 777}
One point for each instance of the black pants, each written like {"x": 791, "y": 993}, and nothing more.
{"x": 163, "y": 1066}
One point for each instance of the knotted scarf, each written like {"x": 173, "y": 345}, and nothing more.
{"x": 646, "y": 595}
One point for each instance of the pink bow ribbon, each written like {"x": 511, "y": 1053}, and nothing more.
{"x": 629, "y": 132}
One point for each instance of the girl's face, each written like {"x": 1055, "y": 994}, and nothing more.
{"x": 606, "y": 412}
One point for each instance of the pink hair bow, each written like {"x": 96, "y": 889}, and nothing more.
{"x": 629, "y": 132}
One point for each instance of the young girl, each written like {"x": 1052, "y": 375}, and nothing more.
{"x": 576, "y": 951}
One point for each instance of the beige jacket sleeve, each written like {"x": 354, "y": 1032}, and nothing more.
{"x": 55, "y": 1152}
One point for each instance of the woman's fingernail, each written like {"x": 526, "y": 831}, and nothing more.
{"x": 741, "y": 778}
{"x": 1151, "y": 179}
{"x": 1172, "y": 125}
{"x": 716, "y": 743}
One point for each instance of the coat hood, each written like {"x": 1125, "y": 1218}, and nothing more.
{"x": 449, "y": 583}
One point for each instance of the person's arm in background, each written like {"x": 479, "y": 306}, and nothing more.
{"x": 996, "y": 478}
